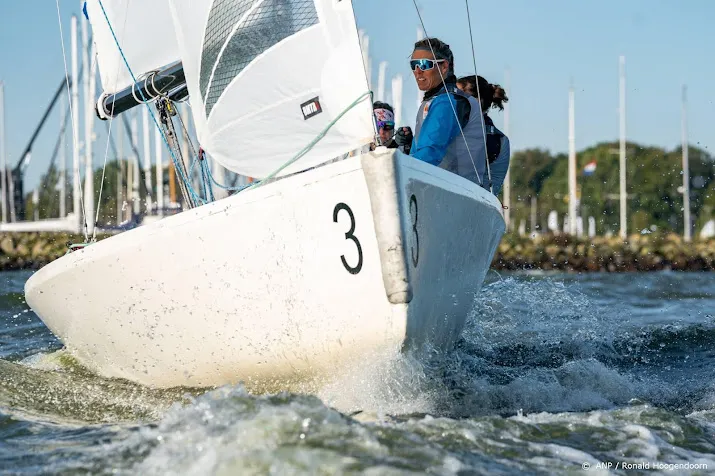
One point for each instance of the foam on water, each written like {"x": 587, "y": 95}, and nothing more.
{"x": 529, "y": 346}
{"x": 228, "y": 431}
{"x": 56, "y": 388}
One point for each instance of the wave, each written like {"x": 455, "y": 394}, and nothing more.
{"x": 56, "y": 388}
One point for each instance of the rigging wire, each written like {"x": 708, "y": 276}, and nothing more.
{"x": 479, "y": 97}
{"x": 75, "y": 138}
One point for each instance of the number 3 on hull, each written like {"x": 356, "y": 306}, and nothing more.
{"x": 349, "y": 236}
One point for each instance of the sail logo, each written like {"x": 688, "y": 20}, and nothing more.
{"x": 311, "y": 108}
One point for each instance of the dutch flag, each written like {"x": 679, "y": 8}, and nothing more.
{"x": 590, "y": 168}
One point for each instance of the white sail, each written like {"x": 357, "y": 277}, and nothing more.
{"x": 266, "y": 77}
{"x": 144, "y": 31}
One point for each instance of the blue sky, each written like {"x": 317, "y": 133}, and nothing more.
{"x": 546, "y": 45}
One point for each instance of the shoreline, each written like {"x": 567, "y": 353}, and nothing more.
{"x": 653, "y": 252}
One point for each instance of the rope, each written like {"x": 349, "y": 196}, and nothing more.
{"x": 153, "y": 117}
{"x": 195, "y": 160}
{"x": 194, "y": 154}
{"x": 454, "y": 110}
{"x": 101, "y": 183}
{"x": 226, "y": 187}
{"x": 156, "y": 90}
{"x": 479, "y": 97}
{"x": 205, "y": 174}
{"x": 142, "y": 77}
{"x": 202, "y": 182}
{"x": 75, "y": 137}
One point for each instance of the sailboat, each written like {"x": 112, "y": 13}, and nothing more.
{"x": 323, "y": 266}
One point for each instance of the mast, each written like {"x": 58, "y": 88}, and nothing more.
{"x": 130, "y": 185}
{"x": 381, "y": 70}
{"x": 90, "y": 78}
{"x": 135, "y": 167}
{"x": 76, "y": 204}
{"x": 147, "y": 157}
{"x": 3, "y": 158}
{"x": 186, "y": 157}
{"x": 120, "y": 176}
{"x": 572, "y": 164}
{"x": 397, "y": 99}
{"x": 36, "y": 204}
{"x": 686, "y": 172}
{"x": 622, "y": 150}
{"x": 11, "y": 196}
{"x": 366, "y": 58}
{"x": 507, "y": 179}
{"x": 17, "y": 173}
{"x": 158, "y": 143}
{"x": 63, "y": 159}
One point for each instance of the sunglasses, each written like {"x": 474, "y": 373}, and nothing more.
{"x": 424, "y": 64}
{"x": 387, "y": 125}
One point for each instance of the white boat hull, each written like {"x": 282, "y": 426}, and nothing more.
{"x": 282, "y": 283}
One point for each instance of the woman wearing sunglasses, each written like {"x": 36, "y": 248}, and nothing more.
{"x": 448, "y": 131}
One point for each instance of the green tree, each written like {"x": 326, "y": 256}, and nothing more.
{"x": 48, "y": 204}
{"x": 528, "y": 170}
{"x": 654, "y": 177}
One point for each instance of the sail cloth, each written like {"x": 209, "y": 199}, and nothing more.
{"x": 145, "y": 32}
{"x": 266, "y": 77}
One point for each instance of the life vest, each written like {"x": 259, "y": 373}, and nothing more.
{"x": 494, "y": 139}
{"x": 462, "y": 156}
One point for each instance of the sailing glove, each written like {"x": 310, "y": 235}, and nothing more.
{"x": 403, "y": 138}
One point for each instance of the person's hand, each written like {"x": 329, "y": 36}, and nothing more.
{"x": 404, "y": 137}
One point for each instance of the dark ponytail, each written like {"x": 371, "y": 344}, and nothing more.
{"x": 498, "y": 97}
{"x": 492, "y": 95}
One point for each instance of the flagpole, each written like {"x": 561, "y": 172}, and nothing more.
{"x": 3, "y": 159}
{"x": 381, "y": 71}
{"x": 686, "y": 172}
{"x": 622, "y": 159}
{"x": 572, "y": 164}
{"x": 89, "y": 73}
{"x": 74, "y": 110}
{"x": 397, "y": 99}
{"x": 507, "y": 179}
